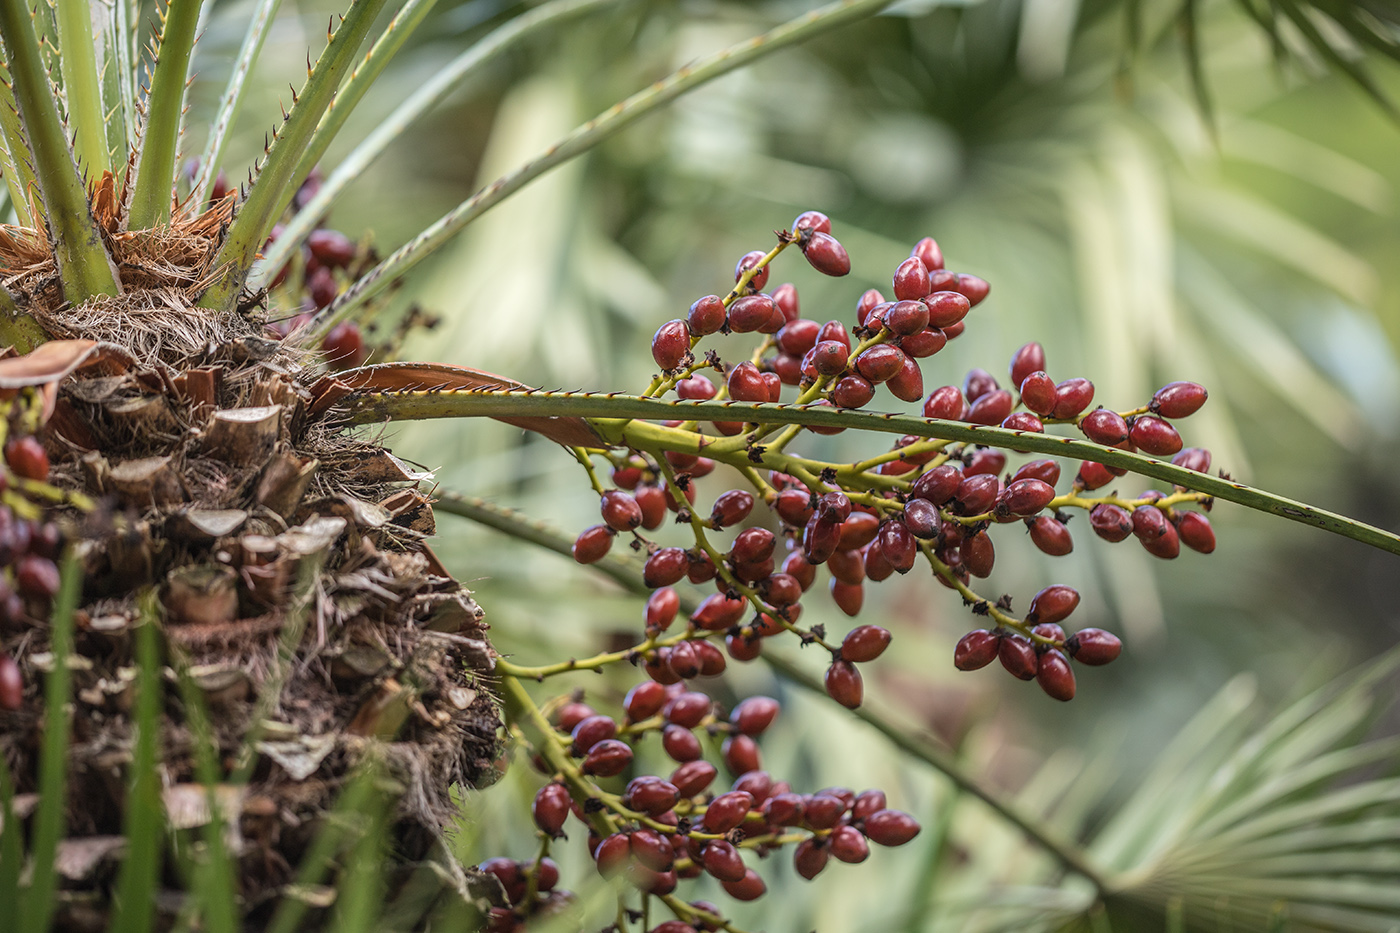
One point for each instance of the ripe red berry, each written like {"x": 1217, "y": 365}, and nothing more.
{"x": 928, "y": 253}
{"x": 923, "y": 343}
{"x": 991, "y": 408}
{"x": 815, "y": 221}
{"x": 847, "y": 566}
{"x": 1054, "y": 676}
{"x": 1093, "y": 475}
{"x": 331, "y": 247}
{"x": 1023, "y": 421}
{"x": 897, "y": 545}
{"x": 693, "y": 777}
{"x": 1178, "y": 399}
{"x": 826, "y": 255}
{"x": 11, "y": 683}
{"x": 684, "y": 661}
{"x": 785, "y": 297}
{"x": 593, "y": 544}
{"x": 864, "y": 643}
{"x": 844, "y": 684}
{"x": 1195, "y": 532}
{"x": 747, "y": 262}
{"x": 820, "y": 539}
{"x": 907, "y": 385}
{"x": 1038, "y": 393}
{"x": 1104, "y": 426}
{"x": 1072, "y": 397}
{"x": 551, "y": 808}
{"x": 740, "y": 754}
{"x": 707, "y": 316}
{"x": 852, "y": 392}
{"x": 1053, "y": 604}
{"x": 344, "y": 346}
{"x": 1093, "y": 646}
{"x": 727, "y": 811}
{"x": 665, "y": 567}
{"x": 723, "y": 861}
{"x": 978, "y": 555}
{"x": 321, "y": 286}
{"x": 976, "y": 494}
{"x": 608, "y": 758}
{"x": 799, "y": 336}
{"x": 1110, "y": 522}
{"x": 1026, "y": 496}
{"x": 937, "y": 485}
{"x": 650, "y": 795}
{"x": 810, "y": 857}
{"x": 907, "y": 318}
{"x": 849, "y": 597}
{"x": 922, "y": 519}
{"x": 879, "y": 363}
{"x": 829, "y": 358}
{"x": 755, "y": 714}
{"x": 1193, "y": 458}
{"x": 1018, "y": 656}
{"x": 661, "y": 610}
{"x": 858, "y": 530}
{"x": 978, "y": 383}
{"x": 644, "y": 700}
{"x": 687, "y": 709}
{"x": 1154, "y": 435}
{"x": 946, "y": 403}
{"x": 26, "y": 457}
{"x": 751, "y": 313}
{"x": 670, "y": 346}
{"x": 1149, "y": 522}
{"x": 620, "y": 511}
{"x": 976, "y": 650}
{"x": 1166, "y": 546}
{"x": 590, "y": 732}
{"x": 746, "y": 384}
{"x": 612, "y": 854}
{"x": 1047, "y": 471}
{"x": 848, "y": 844}
{"x": 891, "y": 827}
{"x": 1029, "y": 359}
{"x": 753, "y": 545}
{"x": 751, "y": 888}
{"x": 680, "y": 743}
{"x": 911, "y": 280}
{"x": 946, "y": 309}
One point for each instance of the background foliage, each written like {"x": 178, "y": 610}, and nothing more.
{"x": 1141, "y": 236}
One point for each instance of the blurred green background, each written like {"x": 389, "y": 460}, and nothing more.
{"x": 1137, "y": 233}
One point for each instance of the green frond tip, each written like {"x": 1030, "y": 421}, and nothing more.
{"x": 153, "y": 192}
{"x": 615, "y": 417}
{"x": 84, "y": 267}
{"x": 81, "y": 86}
{"x": 272, "y": 189}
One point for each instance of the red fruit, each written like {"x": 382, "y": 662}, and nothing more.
{"x": 687, "y": 709}
{"x": 907, "y": 385}
{"x": 608, "y": 758}
{"x": 740, "y": 754}
{"x": 747, "y": 262}
{"x": 946, "y": 309}
{"x": 712, "y": 662}
{"x": 1026, "y": 496}
{"x": 751, "y": 312}
{"x": 11, "y": 683}
{"x": 784, "y": 809}
{"x": 670, "y": 346}
{"x": 928, "y": 253}
{"x": 1154, "y": 436}
{"x": 1018, "y": 656}
{"x": 620, "y": 511}
{"x": 911, "y": 280}
{"x": 1029, "y": 359}
{"x": 755, "y": 714}
{"x": 991, "y": 408}
{"x": 852, "y": 392}
{"x": 937, "y": 485}
{"x": 1071, "y": 397}
{"x": 1038, "y": 393}
{"x": 718, "y": 612}
{"x": 1093, "y": 646}
{"x": 1047, "y": 471}
{"x": 661, "y": 610}
{"x": 1093, "y": 475}
{"x": 727, "y": 811}
{"x": 922, "y": 519}
{"x": 924, "y": 343}
{"x": 653, "y": 503}
{"x": 590, "y": 732}
{"x": 706, "y": 316}
{"x": 652, "y": 882}
{"x": 684, "y": 661}
{"x": 658, "y": 667}
{"x": 976, "y": 494}
{"x": 665, "y": 567}
{"x": 945, "y": 403}
{"x": 844, "y": 684}
{"x": 696, "y": 388}
{"x": 1149, "y": 522}
{"x": 644, "y": 700}
{"x": 723, "y": 861}
{"x": 820, "y": 539}
{"x": 834, "y": 330}
{"x": 753, "y": 545}
{"x": 907, "y": 318}
{"x": 785, "y": 297}
{"x": 1104, "y": 426}
{"x": 869, "y": 299}
{"x": 978, "y": 383}
{"x": 331, "y": 247}
{"x": 1054, "y": 676}
{"x": 649, "y": 848}
{"x": 344, "y": 346}
{"x": 1178, "y": 399}
{"x": 746, "y": 384}
{"x": 815, "y": 221}
{"x": 847, "y": 566}
{"x": 650, "y": 795}
{"x": 1195, "y": 532}
{"x": 953, "y": 331}
{"x": 780, "y": 589}
{"x": 858, "y": 530}
{"x": 1110, "y": 522}
{"x": 849, "y": 597}
{"x": 788, "y": 369}
{"x": 1193, "y": 458}
{"x": 897, "y": 545}
{"x": 1053, "y": 604}
{"x": 829, "y": 357}
{"x": 799, "y": 336}
{"x": 826, "y": 255}
{"x": 848, "y": 845}
{"x": 985, "y": 460}
{"x": 680, "y": 743}
{"x": 551, "y": 808}
{"x": 823, "y": 810}
{"x": 810, "y": 857}
{"x": 864, "y": 643}
{"x": 1023, "y": 421}
{"x": 976, "y": 650}
{"x": 572, "y": 714}
{"x": 693, "y": 777}
{"x": 752, "y": 887}
{"x": 978, "y": 555}
{"x": 880, "y": 362}
{"x": 612, "y": 854}
{"x": 1166, "y": 546}
{"x": 743, "y": 648}
{"x": 321, "y": 285}
{"x": 1050, "y": 536}
{"x": 592, "y": 544}
{"x": 891, "y": 827}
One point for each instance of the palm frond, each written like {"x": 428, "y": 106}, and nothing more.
{"x": 77, "y": 56}
{"x": 153, "y": 189}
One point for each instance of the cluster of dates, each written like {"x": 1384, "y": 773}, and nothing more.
{"x": 29, "y": 549}
{"x": 667, "y": 829}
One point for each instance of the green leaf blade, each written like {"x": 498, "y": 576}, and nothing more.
{"x": 152, "y": 194}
